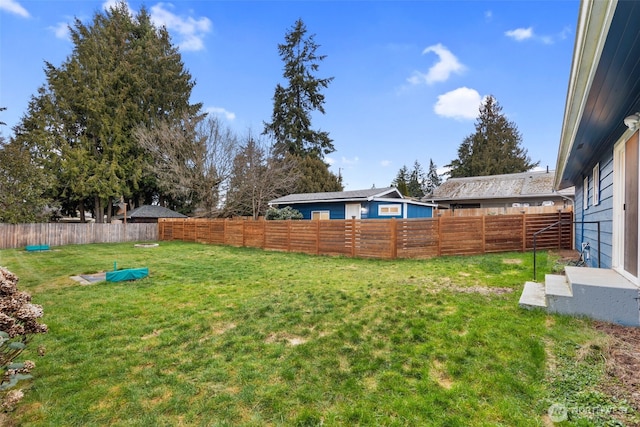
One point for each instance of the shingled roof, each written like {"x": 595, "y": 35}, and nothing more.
{"x": 153, "y": 212}
{"x": 339, "y": 196}
{"x": 516, "y": 185}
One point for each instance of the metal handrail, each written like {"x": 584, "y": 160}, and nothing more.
{"x": 555, "y": 224}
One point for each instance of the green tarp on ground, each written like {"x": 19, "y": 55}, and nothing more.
{"x": 127, "y": 274}
{"x": 34, "y": 248}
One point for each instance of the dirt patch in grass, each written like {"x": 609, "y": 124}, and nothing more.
{"x": 623, "y": 362}
{"x": 482, "y": 290}
{"x": 440, "y": 376}
{"x": 514, "y": 261}
{"x": 285, "y": 337}
{"x": 153, "y": 334}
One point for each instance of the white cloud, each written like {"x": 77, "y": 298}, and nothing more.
{"x": 353, "y": 161}
{"x": 219, "y": 111}
{"x": 329, "y": 160}
{"x": 61, "y": 30}
{"x": 488, "y": 15}
{"x": 190, "y": 31}
{"x": 441, "y": 70}
{"x": 520, "y": 34}
{"x": 462, "y": 104}
{"x": 385, "y": 163}
{"x": 14, "y": 7}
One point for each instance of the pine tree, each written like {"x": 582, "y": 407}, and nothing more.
{"x": 401, "y": 181}
{"x": 494, "y": 148}
{"x": 417, "y": 179}
{"x": 123, "y": 72}
{"x": 290, "y": 125}
{"x": 315, "y": 176}
{"x": 433, "y": 180}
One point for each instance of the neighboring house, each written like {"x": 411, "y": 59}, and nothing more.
{"x": 358, "y": 204}
{"x": 150, "y": 213}
{"x": 598, "y": 154}
{"x": 501, "y": 191}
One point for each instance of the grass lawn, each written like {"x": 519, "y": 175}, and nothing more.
{"x": 221, "y": 336}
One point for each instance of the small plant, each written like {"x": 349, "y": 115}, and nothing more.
{"x": 285, "y": 213}
{"x": 18, "y": 322}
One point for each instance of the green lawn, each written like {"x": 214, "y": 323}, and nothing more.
{"x": 222, "y": 336}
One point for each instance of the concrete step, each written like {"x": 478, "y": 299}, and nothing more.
{"x": 533, "y": 296}
{"x": 558, "y": 285}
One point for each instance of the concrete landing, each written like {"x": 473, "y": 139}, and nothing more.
{"x": 597, "y": 293}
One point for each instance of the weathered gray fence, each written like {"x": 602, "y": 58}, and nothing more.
{"x": 58, "y": 234}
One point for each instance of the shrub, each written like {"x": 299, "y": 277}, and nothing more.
{"x": 18, "y": 323}
{"x": 285, "y": 213}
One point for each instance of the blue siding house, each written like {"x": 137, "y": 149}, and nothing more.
{"x": 375, "y": 203}
{"x": 599, "y": 155}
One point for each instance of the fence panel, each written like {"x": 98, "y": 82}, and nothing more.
{"x": 417, "y": 238}
{"x": 461, "y": 235}
{"x": 373, "y": 238}
{"x": 277, "y": 235}
{"x": 303, "y": 237}
{"x": 392, "y": 238}
{"x": 58, "y": 234}
{"x": 337, "y": 237}
{"x": 503, "y": 233}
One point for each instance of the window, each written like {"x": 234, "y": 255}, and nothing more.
{"x": 585, "y": 193}
{"x": 596, "y": 184}
{"x": 319, "y": 214}
{"x": 388, "y": 210}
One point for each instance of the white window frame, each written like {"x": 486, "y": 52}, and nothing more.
{"x": 596, "y": 184}
{"x": 321, "y": 215}
{"x": 390, "y": 210}
{"x": 585, "y": 193}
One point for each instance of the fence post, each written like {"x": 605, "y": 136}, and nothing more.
{"x": 394, "y": 238}
{"x": 484, "y": 234}
{"x": 244, "y": 233}
{"x": 524, "y": 232}
{"x": 353, "y": 237}
{"x": 559, "y": 230}
{"x": 318, "y": 237}
{"x": 440, "y": 235}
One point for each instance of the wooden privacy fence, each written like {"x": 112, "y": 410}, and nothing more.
{"x": 58, "y": 234}
{"x": 380, "y": 238}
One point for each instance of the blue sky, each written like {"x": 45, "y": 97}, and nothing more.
{"x": 409, "y": 76}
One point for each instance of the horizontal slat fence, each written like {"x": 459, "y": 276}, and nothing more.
{"x": 381, "y": 238}
{"x": 57, "y": 234}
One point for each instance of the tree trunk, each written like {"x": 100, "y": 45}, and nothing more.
{"x": 98, "y": 211}
{"x": 83, "y": 218}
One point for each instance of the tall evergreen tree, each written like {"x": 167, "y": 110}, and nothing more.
{"x": 290, "y": 126}
{"x": 23, "y": 186}
{"x": 315, "y": 176}
{"x": 417, "y": 179}
{"x": 123, "y": 72}
{"x": 495, "y": 147}
{"x": 401, "y": 181}
{"x": 433, "y": 180}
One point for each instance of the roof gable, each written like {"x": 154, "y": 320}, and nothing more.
{"x": 339, "y": 196}
{"x": 153, "y": 211}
